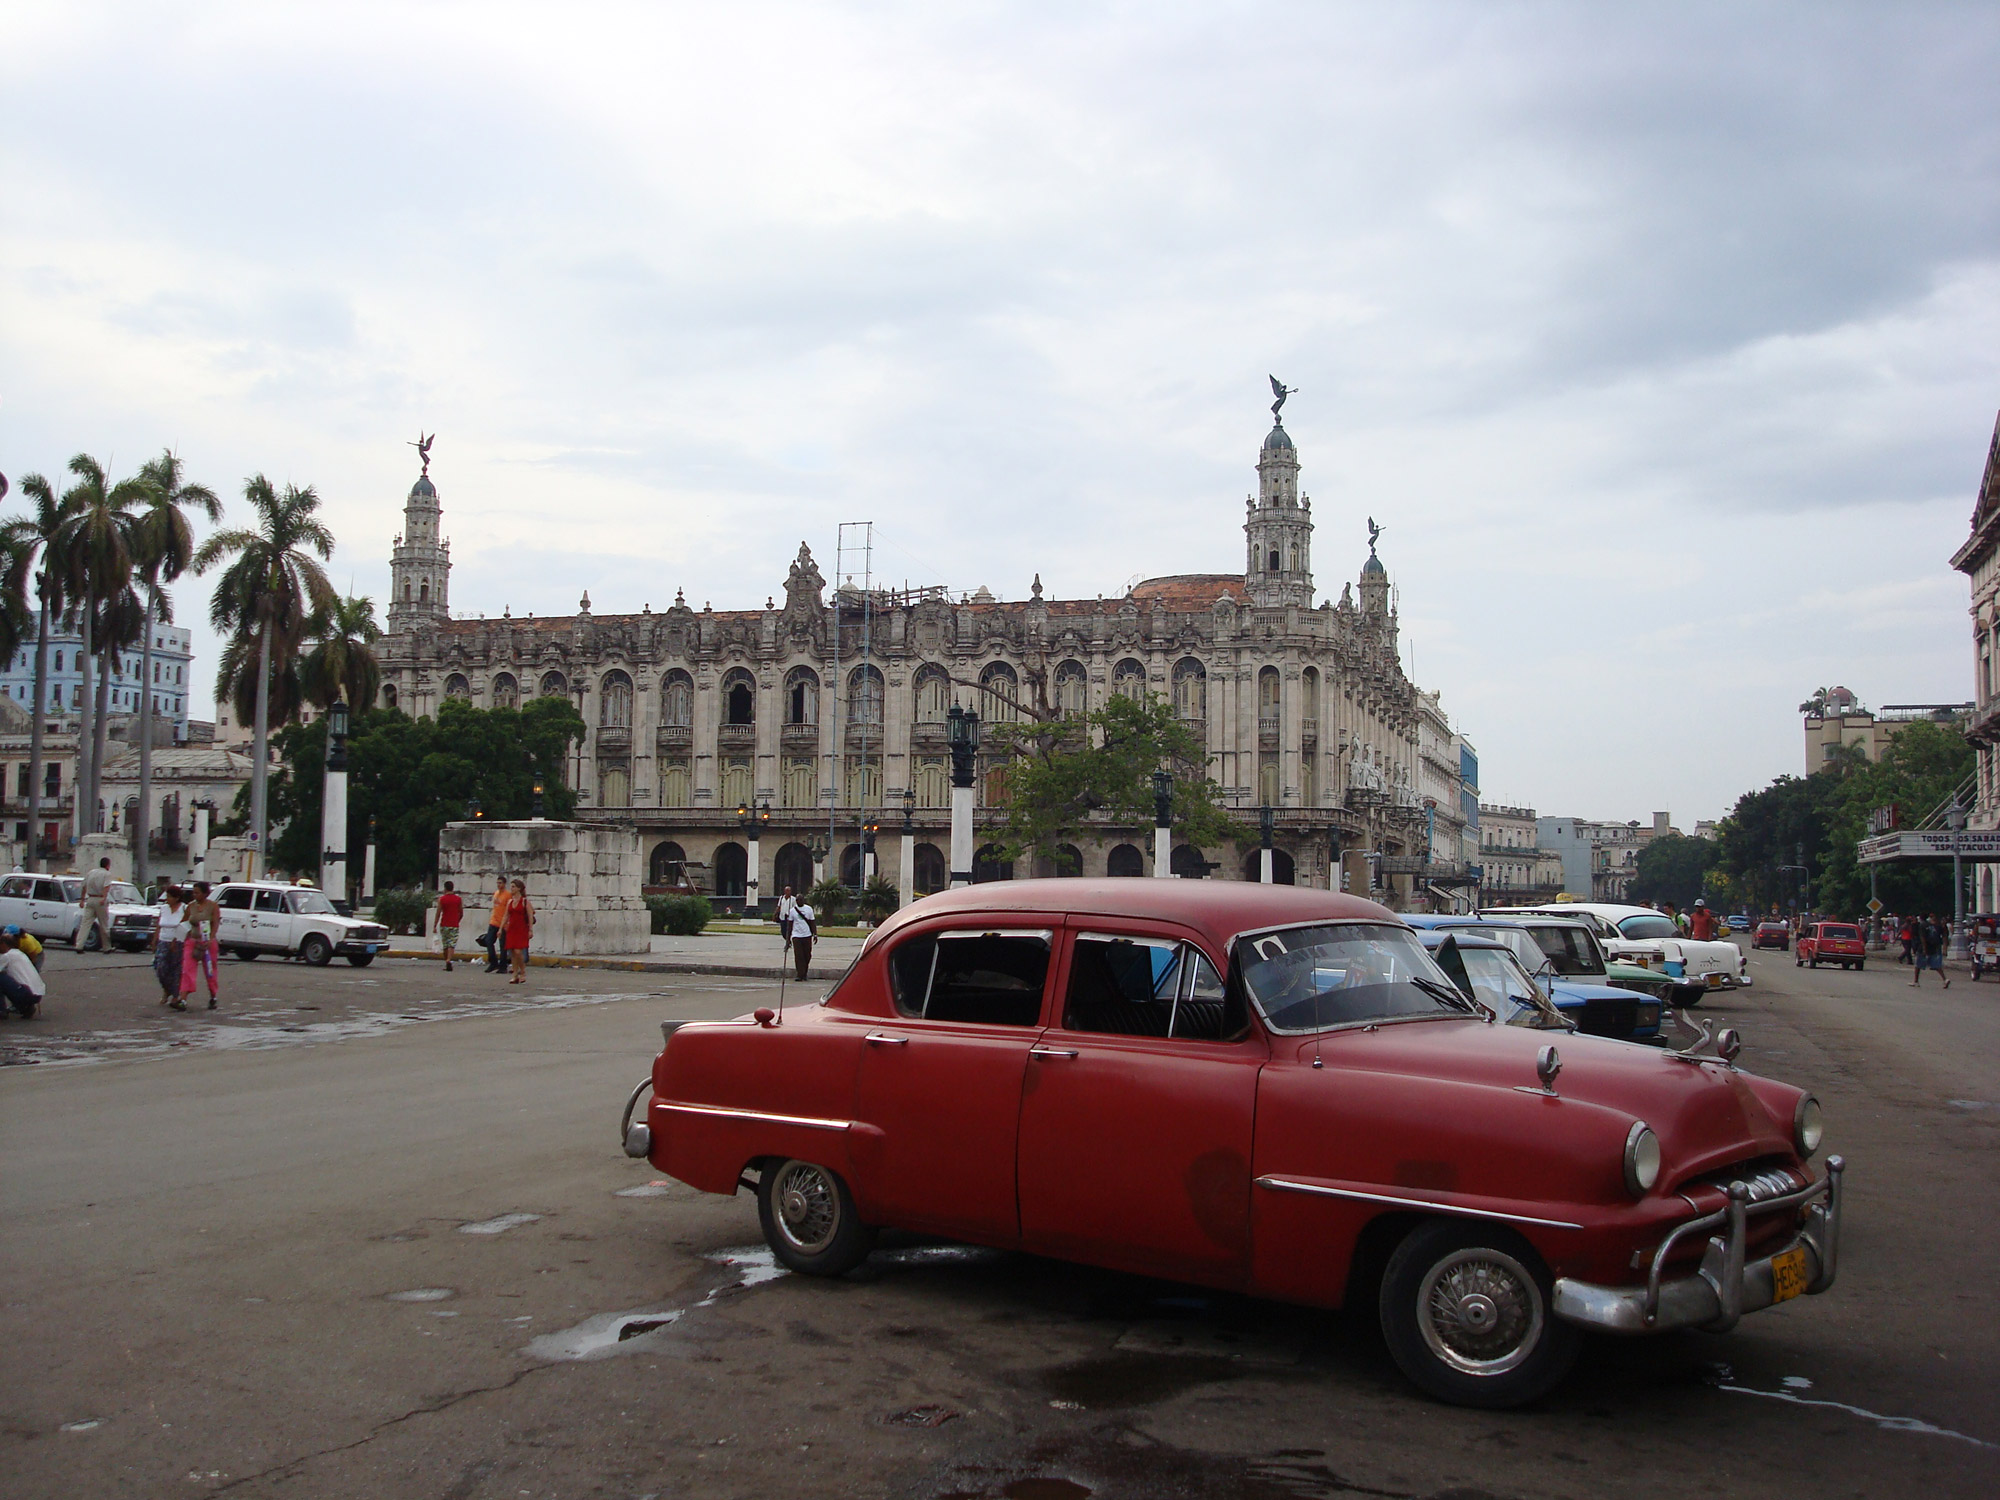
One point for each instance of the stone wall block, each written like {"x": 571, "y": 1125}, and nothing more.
{"x": 583, "y": 878}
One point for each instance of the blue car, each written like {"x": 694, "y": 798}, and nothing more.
{"x": 1596, "y": 1009}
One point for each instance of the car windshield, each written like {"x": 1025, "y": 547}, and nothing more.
{"x": 1503, "y": 986}
{"x": 1651, "y": 925}
{"x": 1569, "y": 948}
{"x": 311, "y": 904}
{"x": 123, "y": 894}
{"x": 1306, "y": 979}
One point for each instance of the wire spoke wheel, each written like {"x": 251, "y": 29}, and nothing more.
{"x": 1481, "y": 1311}
{"x": 807, "y": 1207}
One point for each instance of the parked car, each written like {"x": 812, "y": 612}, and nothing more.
{"x": 1772, "y": 935}
{"x": 260, "y": 917}
{"x": 1983, "y": 943}
{"x": 1572, "y": 966}
{"x": 1640, "y": 935}
{"x": 1830, "y": 943}
{"x": 1738, "y": 923}
{"x": 51, "y": 908}
{"x": 1488, "y": 971}
{"x": 1262, "y": 1088}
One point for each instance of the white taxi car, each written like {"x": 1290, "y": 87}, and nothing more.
{"x": 50, "y": 907}
{"x": 1640, "y": 935}
{"x": 260, "y": 917}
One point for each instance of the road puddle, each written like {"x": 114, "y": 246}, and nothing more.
{"x": 608, "y": 1333}
{"x": 500, "y": 1224}
{"x": 423, "y": 1294}
{"x": 1722, "y": 1378}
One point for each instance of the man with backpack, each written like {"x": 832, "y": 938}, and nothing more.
{"x": 1929, "y": 945}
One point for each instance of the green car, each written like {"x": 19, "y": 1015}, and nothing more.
{"x": 1638, "y": 977}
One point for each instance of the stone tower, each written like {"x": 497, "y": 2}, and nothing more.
{"x": 1374, "y": 583}
{"x": 1278, "y": 528}
{"x": 420, "y": 567}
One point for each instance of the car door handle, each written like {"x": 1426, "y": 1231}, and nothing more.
{"x": 1052, "y": 1052}
{"x": 877, "y": 1039}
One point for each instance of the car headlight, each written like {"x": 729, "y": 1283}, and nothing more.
{"x": 1642, "y": 1159}
{"x": 1808, "y": 1126}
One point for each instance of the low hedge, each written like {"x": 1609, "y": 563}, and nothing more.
{"x": 402, "y": 912}
{"x": 681, "y": 916}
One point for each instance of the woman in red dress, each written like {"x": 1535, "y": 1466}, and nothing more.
{"x": 517, "y": 929}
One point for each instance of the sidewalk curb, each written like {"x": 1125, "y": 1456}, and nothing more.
{"x": 633, "y": 965}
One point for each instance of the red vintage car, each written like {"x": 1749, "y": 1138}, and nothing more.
{"x": 1772, "y": 935}
{"x": 1262, "y": 1088}
{"x": 1830, "y": 943}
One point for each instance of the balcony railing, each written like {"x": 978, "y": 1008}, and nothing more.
{"x": 736, "y": 736}
{"x": 614, "y": 737}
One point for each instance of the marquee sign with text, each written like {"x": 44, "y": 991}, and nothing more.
{"x": 1940, "y": 843}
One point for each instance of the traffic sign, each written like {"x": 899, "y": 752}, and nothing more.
{"x": 1874, "y": 907}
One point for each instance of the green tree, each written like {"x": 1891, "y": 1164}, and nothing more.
{"x": 1922, "y": 766}
{"x": 1074, "y": 776}
{"x": 1673, "y": 867}
{"x": 342, "y": 660}
{"x": 413, "y": 776}
{"x": 163, "y": 549}
{"x": 270, "y": 588}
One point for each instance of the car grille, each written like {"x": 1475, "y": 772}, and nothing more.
{"x": 132, "y": 922}
{"x": 1615, "y": 1018}
{"x": 369, "y": 934}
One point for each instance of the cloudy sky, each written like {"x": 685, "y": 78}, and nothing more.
{"x": 1663, "y": 340}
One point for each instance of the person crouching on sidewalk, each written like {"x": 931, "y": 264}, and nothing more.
{"x": 20, "y": 982}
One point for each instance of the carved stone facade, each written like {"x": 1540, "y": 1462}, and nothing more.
{"x": 695, "y": 711}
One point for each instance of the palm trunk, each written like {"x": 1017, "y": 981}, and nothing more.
{"x": 100, "y": 733}
{"x": 143, "y": 835}
{"x": 260, "y": 753}
{"x": 79, "y": 823}
{"x": 32, "y": 858}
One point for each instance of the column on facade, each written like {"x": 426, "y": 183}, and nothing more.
{"x": 1291, "y": 784}
{"x": 705, "y": 769}
{"x": 766, "y": 767}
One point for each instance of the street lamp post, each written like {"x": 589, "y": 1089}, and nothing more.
{"x": 751, "y": 819}
{"x": 1267, "y": 822}
{"x": 1163, "y": 824}
{"x": 198, "y": 838}
{"x": 1333, "y": 870}
{"x": 819, "y": 846}
{"x": 906, "y": 875}
{"x": 1954, "y": 819}
{"x": 870, "y": 826}
{"x": 537, "y": 811}
{"x": 368, "y": 865}
{"x": 962, "y": 734}
{"x": 333, "y": 806}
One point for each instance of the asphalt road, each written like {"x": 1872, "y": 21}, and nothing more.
{"x": 362, "y": 1257}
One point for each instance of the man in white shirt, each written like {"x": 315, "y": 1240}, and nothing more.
{"x": 20, "y": 984}
{"x": 804, "y": 928}
{"x": 788, "y": 910}
{"x": 96, "y": 907}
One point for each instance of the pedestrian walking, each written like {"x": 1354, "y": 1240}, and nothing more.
{"x": 203, "y": 943}
{"x": 788, "y": 910}
{"x": 518, "y": 929}
{"x": 1701, "y": 926}
{"x": 451, "y": 910}
{"x": 496, "y": 952}
{"x": 170, "y": 930}
{"x": 1929, "y": 945}
{"x": 805, "y": 928}
{"x": 1908, "y": 935}
{"x": 96, "y": 908}
{"x": 21, "y": 985}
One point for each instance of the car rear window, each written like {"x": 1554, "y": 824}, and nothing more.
{"x": 1141, "y": 986}
{"x": 1837, "y": 930}
{"x": 993, "y": 978}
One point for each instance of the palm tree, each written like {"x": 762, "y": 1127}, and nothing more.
{"x": 236, "y": 682}
{"x": 269, "y": 590}
{"x": 96, "y": 553}
{"x": 342, "y": 661}
{"x": 165, "y": 547}
{"x": 27, "y": 536}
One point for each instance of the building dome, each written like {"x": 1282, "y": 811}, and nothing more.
{"x": 1279, "y": 438}
{"x": 1373, "y": 565}
{"x": 423, "y": 487}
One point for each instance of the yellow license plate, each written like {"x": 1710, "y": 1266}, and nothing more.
{"x": 1715, "y": 981}
{"x": 1788, "y": 1274}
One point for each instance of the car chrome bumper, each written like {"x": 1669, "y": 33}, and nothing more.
{"x": 1725, "y": 1286}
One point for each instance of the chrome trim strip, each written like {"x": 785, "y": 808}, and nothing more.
{"x": 722, "y": 1112}
{"x": 1287, "y": 1185}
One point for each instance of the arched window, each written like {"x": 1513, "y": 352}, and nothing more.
{"x": 933, "y": 784}
{"x": 1268, "y": 786}
{"x": 1190, "y": 689}
{"x": 792, "y": 866}
{"x": 994, "y": 792}
{"x": 929, "y": 872}
{"x": 1072, "y": 689}
{"x": 676, "y": 786}
{"x": 800, "y": 788}
{"x": 996, "y": 680}
{"x": 1125, "y": 859}
{"x": 1188, "y": 862}
{"x": 933, "y": 695}
{"x": 1067, "y": 859}
{"x": 1294, "y": 554}
{"x": 736, "y": 781}
{"x": 732, "y": 871}
{"x": 677, "y": 705}
{"x": 455, "y": 686}
{"x": 614, "y": 786}
{"x": 850, "y": 865}
{"x": 614, "y": 701}
{"x": 668, "y": 863}
{"x": 802, "y": 696}
{"x": 864, "y": 696}
{"x": 389, "y": 695}
{"x": 1282, "y": 869}
{"x": 506, "y": 691}
{"x": 1128, "y": 679}
{"x": 1269, "y": 688}
{"x": 1274, "y": 560}
{"x": 988, "y": 866}
{"x": 424, "y": 592}
{"x": 406, "y": 591}
{"x": 1309, "y": 693}
{"x": 554, "y": 685}
{"x": 739, "y": 698}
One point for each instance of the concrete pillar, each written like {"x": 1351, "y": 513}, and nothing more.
{"x": 961, "y": 836}
{"x": 906, "y": 878}
{"x": 333, "y": 836}
{"x": 198, "y": 845}
{"x": 750, "y": 897}
{"x": 1264, "y": 866}
{"x": 1163, "y": 852}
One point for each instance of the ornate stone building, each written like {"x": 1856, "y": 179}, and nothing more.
{"x": 827, "y": 707}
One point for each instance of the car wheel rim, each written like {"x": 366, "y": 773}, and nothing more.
{"x": 1481, "y": 1311}
{"x": 808, "y": 1207}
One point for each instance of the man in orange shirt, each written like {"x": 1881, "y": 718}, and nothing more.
{"x": 496, "y": 956}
